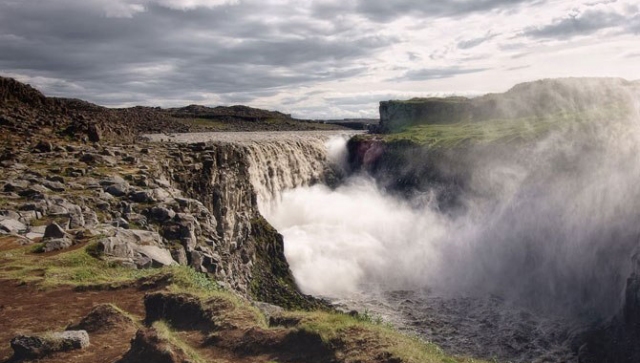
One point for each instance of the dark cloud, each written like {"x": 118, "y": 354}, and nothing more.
{"x": 585, "y": 23}
{"x": 163, "y": 53}
{"x": 436, "y": 73}
{"x": 384, "y": 10}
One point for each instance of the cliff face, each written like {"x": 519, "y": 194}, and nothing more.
{"x": 232, "y": 180}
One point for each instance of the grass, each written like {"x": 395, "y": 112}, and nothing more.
{"x": 346, "y": 334}
{"x": 165, "y": 332}
{"x": 342, "y": 330}
{"x": 75, "y": 268}
{"x": 203, "y": 122}
{"x": 498, "y": 130}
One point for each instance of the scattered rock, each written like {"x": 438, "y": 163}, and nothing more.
{"x": 54, "y": 185}
{"x": 43, "y": 147}
{"x": 94, "y": 133}
{"x": 118, "y": 190}
{"x": 15, "y": 186}
{"x": 38, "y": 346}
{"x": 120, "y": 222}
{"x": 57, "y": 244}
{"x": 161, "y": 214}
{"x": 12, "y": 226}
{"x": 54, "y": 230}
{"x": 136, "y": 248}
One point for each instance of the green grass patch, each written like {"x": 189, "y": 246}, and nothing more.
{"x": 499, "y": 130}
{"x": 75, "y": 268}
{"x": 340, "y": 330}
{"x": 165, "y": 332}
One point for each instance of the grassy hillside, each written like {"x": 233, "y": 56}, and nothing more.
{"x": 343, "y": 337}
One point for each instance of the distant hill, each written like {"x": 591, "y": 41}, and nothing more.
{"x": 26, "y": 112}
{"x": 533, "y": 100}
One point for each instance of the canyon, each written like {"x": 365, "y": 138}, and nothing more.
{"x": 501, "y": 227}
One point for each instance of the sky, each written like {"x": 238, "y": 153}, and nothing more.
{"x": 312, "y": 58}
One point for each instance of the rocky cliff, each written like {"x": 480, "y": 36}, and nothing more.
{"x": 232, "y": 180}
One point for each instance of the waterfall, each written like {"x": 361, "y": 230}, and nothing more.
{"x": 292, "y": 162}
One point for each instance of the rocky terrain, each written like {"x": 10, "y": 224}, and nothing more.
{"x": 25, "y": 112}
{"x": 116, "y": 249}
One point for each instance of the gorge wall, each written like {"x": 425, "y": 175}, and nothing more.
{"x": 234, "y": 180}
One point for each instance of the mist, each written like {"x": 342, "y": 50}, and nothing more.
{"x": 552, "y": 225}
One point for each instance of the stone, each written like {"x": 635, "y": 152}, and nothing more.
{"x": 34, "y": 192}
{"x": 12, "y": 226}
{"x": 114, "y": 179}
{"x": 94, "y": 133}
{"x": 55, "y": 186}
{"x": 54, "y": 230}
{"x": 159, "y": 256}
{"x": 97, "y": 159}
{"x": 15, "y": 186}
{"x": 90, "y": 218}
{"x": 57, "y": 244}
{"x": 180, "y": 255}
{"x": 118, "y": 190}
{"x": 39, "y": 346}
{"x": 55, "y": 178}
{"x": 120, "y": 222}
{"x": 43, "y": 147}
{"x": 161, "y": 214}
{"x": 143, "y": 249}
{"x": 143, "y": 196}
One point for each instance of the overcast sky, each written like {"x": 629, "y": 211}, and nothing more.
{"x": 315, "y": 59}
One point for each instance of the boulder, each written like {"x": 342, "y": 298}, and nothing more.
{"x": 118, "y": 190}
{"x": 38, "y": 346}
{"x": 57, "y": 244}
{"x": 98, "y": 159}
{"x": 15, "y": 186}
{"x": 53, "y": 231}
{"x": 54, "y": 185}
{"x": 12, "y": 226}
{"x": 43, "y": 147}
{"x": 138, "y": 248}
{"x": 161, "y": 214}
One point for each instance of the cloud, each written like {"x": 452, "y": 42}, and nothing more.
{"x": 589, "y": 19}
{"x": 471, "y": 43}
{"x": 386, "y": 11}
{"x": 276, "y": 53}
{"x": 583, "y": 24}
{"x": 436, "y": 73}
{"x": 170, "y": 53}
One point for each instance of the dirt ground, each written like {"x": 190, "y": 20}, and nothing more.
{"x": 26, "y": 309}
